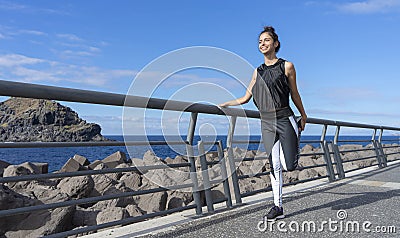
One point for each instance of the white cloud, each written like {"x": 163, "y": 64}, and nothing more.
{"x": 12, "y": 6}
{"x": 70, "y": 37}
{"x": 370, "y": 6}
{"x": 8, "y": 32}
{"x": 6, "y": 5}
{"x": 352, "y": 113}
{"x": 73, "y": 54}
{"x": 358, "y": 7}
{"x": 33, "y": 32}
{"x": 12, "y": 60}
{"x": 17, "y": 67}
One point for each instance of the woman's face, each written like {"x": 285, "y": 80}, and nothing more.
{"x": 266, "y": 44}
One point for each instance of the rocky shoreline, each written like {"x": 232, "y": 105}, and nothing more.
{"x": 45, "y": 191}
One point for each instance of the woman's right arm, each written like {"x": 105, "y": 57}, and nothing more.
{"x": 246, "y": 98}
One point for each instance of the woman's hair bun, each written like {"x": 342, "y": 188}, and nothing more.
{"x": 269, "y": 29}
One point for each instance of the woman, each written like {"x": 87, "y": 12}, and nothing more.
{"x": 271, "y": 84}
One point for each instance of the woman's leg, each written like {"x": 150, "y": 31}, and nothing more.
{"x": 283, "y": 156}
{"x": 288, "y": 132}
{"x": 272, "y": 147}
{"x": 276, "y": 174}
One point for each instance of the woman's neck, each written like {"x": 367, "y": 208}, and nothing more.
{"x": 270, "y": 59}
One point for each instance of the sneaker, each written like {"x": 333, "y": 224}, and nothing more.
{"x": 275, "y": 213}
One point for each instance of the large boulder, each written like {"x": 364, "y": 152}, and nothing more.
{"x": 131, "y": 180}
{"x": 111, "y": 214}
{"x": 117, "y": 176}
{"x": 102, "y": 183}
{"x": 178, "y": 199}
{"x": 307, "y": 149}
{"x": 42, "y": 168}
{"x": 290, "y": 176}
{"x": 71, "y": 166}
{"x": 115, "y": 159}
{"x": 26, "y": 168}
{"x": 76, "y": 187}
{"x": 307, "y": 173}
{"x": 134, "y": 210}
{"x": 21, "y": 169}
{"x": 42, "y": 223}
{"x": 153, "y": 202}
{"x": 81, "y": 160}
{"x": 149, "y": 158}
{"x": 3, "y": 165}
{"x": 251, "y": 184}
{"x": 9, "y": 200}
{"x": 85, "y": 217}
{"x": 305, "y": 161}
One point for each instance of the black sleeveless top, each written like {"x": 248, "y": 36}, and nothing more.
{"x": 271, "y": 90}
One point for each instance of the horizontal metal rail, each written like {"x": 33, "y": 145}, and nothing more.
{"x": 393, "y": 153}
{"x": 254, "y": 175}
{"x": 310, "y": 141}
{"x": 212, "y": 162}
{"x": 311, "y": 154}
{"x": 355, "y": 150}
{"x": 354, "y": 141}
{"x": 393, "y": 146}
{"x": 246, "y": 142}
{"x": 362, "y": 158}
{"x": 89, "y": 172}
{"x": 250, "y": 159}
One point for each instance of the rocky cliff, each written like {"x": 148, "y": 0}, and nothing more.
{"x": 25, "y": 119}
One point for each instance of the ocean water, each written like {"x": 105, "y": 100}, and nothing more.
{"x": 56, "y": 157}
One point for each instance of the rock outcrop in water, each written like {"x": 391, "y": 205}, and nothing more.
{"x": 25, "y": 119}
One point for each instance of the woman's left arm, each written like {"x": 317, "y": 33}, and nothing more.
{"x": 291, "y": 75}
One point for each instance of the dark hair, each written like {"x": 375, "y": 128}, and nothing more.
{"x": 271, "y": 31}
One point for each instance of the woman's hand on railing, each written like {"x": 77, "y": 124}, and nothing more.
{"x": 303, "y": 122}
{"x": 222, "y": 105}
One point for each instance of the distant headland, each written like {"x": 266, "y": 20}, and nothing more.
{"x": 28, "y": 120}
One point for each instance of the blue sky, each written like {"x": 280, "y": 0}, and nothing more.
{"x": 345, "y": 53}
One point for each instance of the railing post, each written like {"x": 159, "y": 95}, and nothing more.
{"x": 190, "y": 154}
{"x": 224, "y": 174}
{"x": 231, "y": 161}
{"x": 336, "y": 154}
{"x": 376, "y": 149}
{"x": 327, "y": 156}
{"x": 206, "y": 177}
{"x": 384, "y": 158}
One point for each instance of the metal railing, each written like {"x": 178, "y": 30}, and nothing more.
{"x": 329, "y": 150}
